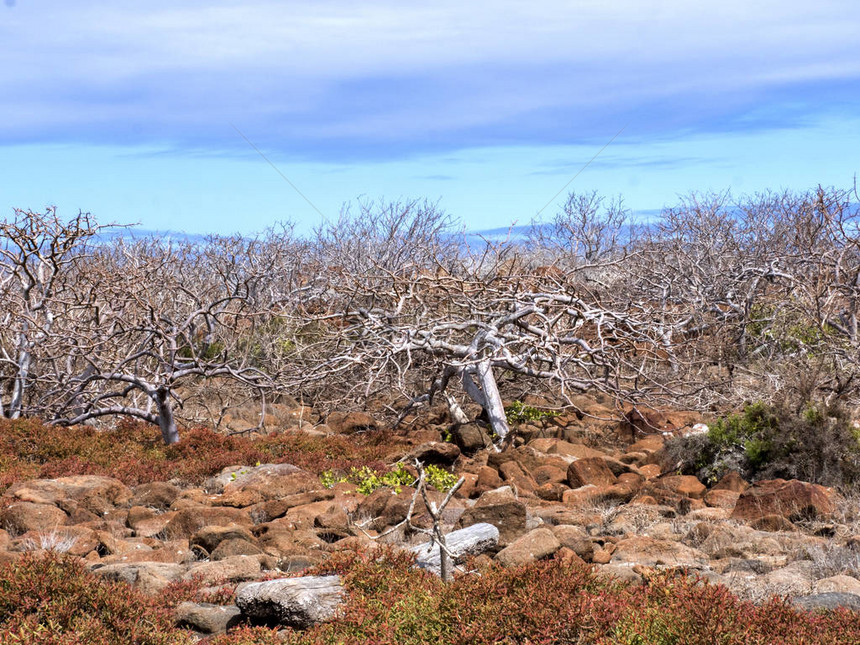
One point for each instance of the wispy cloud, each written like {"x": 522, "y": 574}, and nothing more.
{"x": 562, "y": 167}
{"x": 334, "y": 80}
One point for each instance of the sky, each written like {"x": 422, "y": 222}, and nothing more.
{"x": 229, "y": 116}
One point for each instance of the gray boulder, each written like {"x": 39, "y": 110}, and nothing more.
{"x": 207, "y": 618}
{"x": 296, "y": 602}
{"x": 149, "y": 577}
{"x": 830, "y": 600}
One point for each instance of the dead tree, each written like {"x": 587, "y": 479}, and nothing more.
{"x": 586, "y": 230}
{"x": 166, "y": 316}
{"x": 469, "y": 324}
{"x": 40, "y": 256}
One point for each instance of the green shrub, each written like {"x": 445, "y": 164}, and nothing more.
{"x": 518, "y": 412}
{"x": 367, "y": 479}
{"x": 439, "y": 478}
{"x": 815, "y": 444}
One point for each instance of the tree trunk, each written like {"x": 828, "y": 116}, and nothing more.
{"x": 444, "y": 558}
{"x": 166, "y": 421}
{"x": 493, "y": 400}
{"x": 24, "y": 360}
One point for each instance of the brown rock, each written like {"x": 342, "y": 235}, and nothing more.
{"x": 633, "y": 481}
{"x": 233, "y": 569}
{"x": 576, "y": 539}
{"x": 732, "y": 481}
{"x": 209, "y": 537}
{"x": 620, "y": 573}
{"x": 772, "y": 524}
{"x": 634, "y": 458}
{"x": 169, "y": 552}
{"x": 189, "y": 521}
{"x": 721, "y": 498}
{"x": 652, "y": 553}
{"x": 564, "y": 448}
{"x": 838, "y": 584}
{"x": 514, "y": 474}
{"x": 794, "y": 579}
{"x": 661, "y": 494}
{"x": 9, "y": 557}
{"x": 350, "y": 423}
{"x": 300, "y": 544}
{"x": 137, "y": 514}
{"x": 193, "y": 497}
{"x": 153, "y": 526}
{"x": 619, "y": 468}
{"x": 77, "y": 513}
{"x": 552, "y": 491}
{"x": 158, "y": 495}
{"x": 489, "y": 478}
{"x": 588, "y": 496}
{"x": 569, "y": 557}
{"x": 550, "y": 474}
{"x": 649, "y": 444}
{"x": 275, "y": 508}
{"x": 590, "y": 471}
{"x": 263, "y": 482}
{"x": 374, "y": 504}
{"x": 534, "y": 545}
{"x": 333, "y": 518}
{"x": 21, "y": 517}
{"x": 650, "y": 471}
{"x": 470, "y": 438}
{"x": 436, "y": 452}
{"x": 207, "y": 618}
{"x": 501, "y": 509}
{"x": 795, "y": 500}
{"x": 601, "y": 556}
{"x": 243, "y": 498}
{"x": 469, "y": 488}
{"x": 232, "y": 547}
{"x": 91, "y": 492}
{"x": 74, "y": 540}
{"x": 272, "y": 484}
{"x": 148, "y": 577}
{"x": 305, "y": 516}
{"x": 684, "y": 485}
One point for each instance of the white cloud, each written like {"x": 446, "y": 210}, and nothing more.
{"x": 422, "y": 72}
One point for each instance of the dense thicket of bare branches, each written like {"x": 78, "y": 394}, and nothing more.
{"x": 717, "y": 301}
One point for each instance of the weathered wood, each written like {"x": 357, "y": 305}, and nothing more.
{"x": 472, "y": 540}
{"x": 296, "y": 602}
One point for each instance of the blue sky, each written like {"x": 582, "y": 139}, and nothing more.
{"x": 130, "y": 110}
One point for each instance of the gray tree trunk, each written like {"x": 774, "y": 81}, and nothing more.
{"x": 166, "y": 420}
{"x": 24, "y": 360}
{"x": 493, "y": 400}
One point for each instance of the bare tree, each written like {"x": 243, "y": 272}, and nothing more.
{"x": 167, "y": 315}
{"x": 484, "y": 317}
{"x": 586, "y": 230}
{"x": 39, "y": 254}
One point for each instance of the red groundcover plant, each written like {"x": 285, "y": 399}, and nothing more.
{"x": 555, "y": 601}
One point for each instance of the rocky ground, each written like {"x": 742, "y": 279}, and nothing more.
{"x": 584, "y": 486}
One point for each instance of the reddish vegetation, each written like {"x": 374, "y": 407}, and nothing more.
{"x": 47, "y": 599}
{"x": 134, "y": 453}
